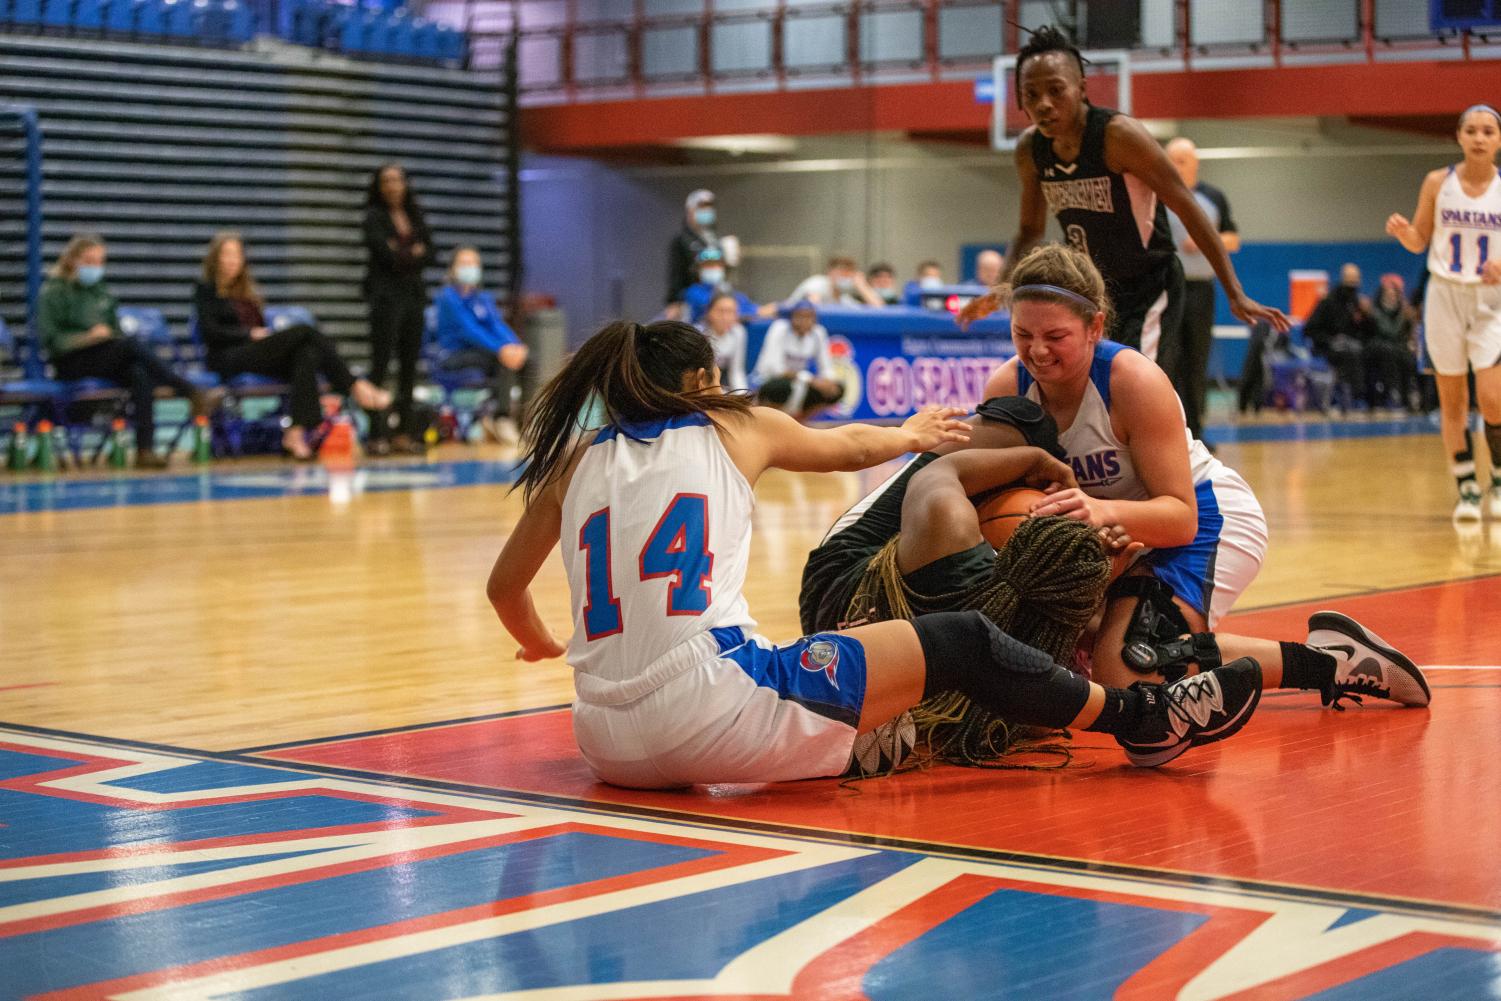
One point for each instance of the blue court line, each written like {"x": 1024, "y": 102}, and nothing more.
{"x": 1319, "y": 430}
{"x": 66, "y": 493}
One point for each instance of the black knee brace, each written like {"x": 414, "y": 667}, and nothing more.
{"x": 1155, "y": 642}
{"x": 968, "y": 653}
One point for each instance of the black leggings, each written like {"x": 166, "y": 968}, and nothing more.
{"x": 778, "y": 391}
{"x": 502, "y": 379}
{"x": 396, "y": 325}
{"x": 130, "y": 363}
{"x": 295, "y": 355}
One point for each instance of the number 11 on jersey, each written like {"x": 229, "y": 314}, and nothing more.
{"x": 677, "y": 548}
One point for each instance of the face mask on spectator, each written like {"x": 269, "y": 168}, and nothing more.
{"x": 890, "y": 295}
{"x": 90, "y": 274}
{"x": 931, "y": 281}
{"x": 704, "y": 217}
{"x": 711, "y": 276}
{"x": 844, "y": 284}
{"x": 467, "y": 274}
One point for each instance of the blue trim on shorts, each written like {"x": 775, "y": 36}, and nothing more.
{"x": 824, "y": 673}
{"x": 1189, "y": 570}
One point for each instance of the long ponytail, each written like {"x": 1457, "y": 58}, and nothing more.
{"x": 635, "y": 373}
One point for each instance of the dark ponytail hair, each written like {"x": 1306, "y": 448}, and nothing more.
{"x": 636, "y": 373}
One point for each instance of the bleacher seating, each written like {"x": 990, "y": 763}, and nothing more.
{"x": 362, "y": 33}
{"x": 158, "y": 147}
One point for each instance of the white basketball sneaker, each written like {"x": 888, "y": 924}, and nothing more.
{"x": 1468, "y": 508}
{"x": 882, "y": 750}
{"x": 1364, "y": 663}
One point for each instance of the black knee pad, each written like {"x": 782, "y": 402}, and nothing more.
{"x": 1155, "y": 641}
{"x": 968, "y": 653}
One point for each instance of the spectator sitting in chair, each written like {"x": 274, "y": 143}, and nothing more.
{"x": 882, "y": 278}
{"x": 473, "y": 334}
{"x": 929, "y": 275}
{"x": 841, "y": 285}
{"x": 1392, "y": 351}
{"x": 712, "y": 283}
{"x": 988, "y": 267}
{"x": 724, "y": 330}
{"x": 1338, "y": 329}
{"x": 236, "y": 340}
{"x": 782, "y": 370}
{"x": 79, "y": 330}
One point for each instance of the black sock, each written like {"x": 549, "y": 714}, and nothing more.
{"x": 1122, "y": 706}
{"x": 1463, "y": 467}
{"x": 1305, "y": 667}
{"x": 966, "y": 652}
{"x": 1493, "y": 439}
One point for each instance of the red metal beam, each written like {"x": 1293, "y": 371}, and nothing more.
{"x": 1375, "y": 90}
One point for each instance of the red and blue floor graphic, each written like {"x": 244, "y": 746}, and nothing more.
{"x": 1317, "y": 854}
{"x": 145, "y": 874}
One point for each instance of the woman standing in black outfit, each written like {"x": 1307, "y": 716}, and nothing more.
{"x": 232, "y": 326}
{"x": 399, "y": 245}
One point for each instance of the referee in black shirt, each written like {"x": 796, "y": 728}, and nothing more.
{"x": 1188, "y": 363}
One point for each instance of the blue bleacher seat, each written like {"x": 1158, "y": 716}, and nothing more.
{"x": 150, "y": 18}
{"x": 354, "y": 32}
{"x": 88, "y": 16}
{"x": 426, "y": 40}
{"x": 120, "y": 17}
{"x": 57, "y": 15}
{"x": 451, "y": 44}
{"x": 239, "y": 22}
{"x": 35, "y": 395}
{"x": 26, "y": 13}
{"x": 179, "y": 16}
{"x": 398, "y": 40}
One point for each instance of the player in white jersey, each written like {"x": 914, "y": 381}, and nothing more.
{"x": 673, "y": 685}
{"x": 1122, "y": 427}
{"x": 1458, "y": 224}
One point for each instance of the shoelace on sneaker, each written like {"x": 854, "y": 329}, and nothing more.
{"x": 1335, "y": 692}
{"x": 1193, "y": 701}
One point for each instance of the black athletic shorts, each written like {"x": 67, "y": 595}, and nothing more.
{"x": 1155, "y": 335}
{"x": 835, "y": 568}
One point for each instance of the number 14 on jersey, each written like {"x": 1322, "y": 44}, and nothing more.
{"x": 678, "y": 548}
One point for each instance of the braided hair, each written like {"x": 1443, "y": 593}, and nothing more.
{"x": 1047, "y": 583}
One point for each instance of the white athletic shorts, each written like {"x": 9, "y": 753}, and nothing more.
{"x": 1214, "y": 570}
{"x": 1462, "y": 325}
{"x": 754, "y": 713}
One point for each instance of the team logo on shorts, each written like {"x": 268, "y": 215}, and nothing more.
{"x": 822, "y": 655}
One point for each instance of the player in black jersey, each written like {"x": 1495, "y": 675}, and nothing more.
{"x": 1107, "y": 180}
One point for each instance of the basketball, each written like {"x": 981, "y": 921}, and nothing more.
{"x": 1000, "y": 515}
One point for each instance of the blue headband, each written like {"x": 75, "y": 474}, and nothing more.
{"x": 1481, "y": 107}
{"x": 1054, "y": 290}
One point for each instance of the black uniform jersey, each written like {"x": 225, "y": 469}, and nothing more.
{"x": 1114, "y": 218}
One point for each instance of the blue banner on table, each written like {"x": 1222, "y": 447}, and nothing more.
{"x": 896, "y": 360}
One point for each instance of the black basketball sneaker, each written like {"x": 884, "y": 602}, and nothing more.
{"x": 1192, "y": 711}
{"x": 1364, "y": 663}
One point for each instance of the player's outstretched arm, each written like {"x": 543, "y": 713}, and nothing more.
{"x": 1030, "y": 229}
{"x": 783, "y": 443}
{"x": 938, "y": 517}
{"x": 1130, "y": 148}
{"x": 525, "y": 551}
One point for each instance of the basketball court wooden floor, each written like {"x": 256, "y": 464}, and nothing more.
{"x": 261, "y": 737}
